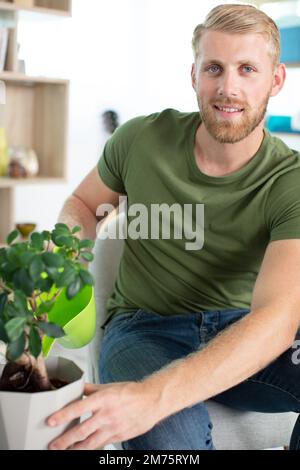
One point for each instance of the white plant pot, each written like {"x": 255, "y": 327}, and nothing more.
{"x": 23, "y": 415}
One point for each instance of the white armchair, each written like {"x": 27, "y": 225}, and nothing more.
{"x": 232, "y": 429}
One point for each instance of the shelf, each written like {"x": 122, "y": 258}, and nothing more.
{"x": 14, "y": 77}
{"x": 13, "y": 182}
{"x": 6, "y": 6}
{"x": 36, "y": 117}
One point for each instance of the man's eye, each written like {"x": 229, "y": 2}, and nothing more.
{"x": 213, "y": 68}
{"x": 247, "y": 68}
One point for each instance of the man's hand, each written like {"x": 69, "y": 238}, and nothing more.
{"x": 120, "y": 412}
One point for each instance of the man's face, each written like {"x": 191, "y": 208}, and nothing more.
{"x": 233, "y": 80}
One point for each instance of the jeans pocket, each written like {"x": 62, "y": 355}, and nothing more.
{"x": 122, "y": 319}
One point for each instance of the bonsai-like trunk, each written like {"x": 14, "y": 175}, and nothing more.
{"x": 27, "y": 374}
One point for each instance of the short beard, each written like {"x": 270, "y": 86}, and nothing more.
{"x": 227, "y": 132}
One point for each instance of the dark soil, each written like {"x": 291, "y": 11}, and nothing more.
{"x": 16, "y": 378}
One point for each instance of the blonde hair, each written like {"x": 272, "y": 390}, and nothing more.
{"x": 239, "y": 19}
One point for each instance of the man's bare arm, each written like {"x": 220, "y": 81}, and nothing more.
{"x": 81, "y": 207}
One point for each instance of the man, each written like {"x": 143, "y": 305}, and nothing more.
{"x": 218, "y": 321}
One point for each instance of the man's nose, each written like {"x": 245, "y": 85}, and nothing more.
{"x": 228, "y": 84}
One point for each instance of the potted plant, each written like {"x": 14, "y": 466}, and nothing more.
{"x": 46, "y": 293}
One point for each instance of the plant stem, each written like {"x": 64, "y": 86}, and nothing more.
{"x": 39, "y": 372}
{"x": 5, "y": 288}
{"x": 57, "y": 294}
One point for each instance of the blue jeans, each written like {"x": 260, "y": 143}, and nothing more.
{"x": 136, "y": 344}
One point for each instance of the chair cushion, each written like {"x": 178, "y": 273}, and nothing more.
{"x": 244, "y": 430}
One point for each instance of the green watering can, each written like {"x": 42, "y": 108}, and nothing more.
{"x": 76, "y": 316}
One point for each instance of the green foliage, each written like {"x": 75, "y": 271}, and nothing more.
{"x": 35, "y": 342}
{"x": 51, "y": 329}
{"x": 3, "y": 300}
{"x": 86, "y": 277}
{"x": 15, "y": 327}
{"x": 16, "y": 348}
{"x": 32, "y": 275}
{"x": 12, "y": 236}
{"x": 3, "y": 334}
{"x": 87, "y": 256}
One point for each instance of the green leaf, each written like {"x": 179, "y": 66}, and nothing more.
{"x": 45, "y": 307}
{"x": 53, "y": 260}
{"x": 36, "y": 268}
{"x": 3, "y": 334}
{"x": 87, "y": 255}
{"x": 35, "y": 343}
{"x": 62, "y": 227}
{"x": 74, "y": 288}
{"x": 3, "y": 300}
{"x": 15, "y": 327}
{"x": 13, "y": 257}
{"x": 3, "y": 256}
{"x": 23, "y": 282}
{"x": 62, "y": 251}
{"x": 63, "y": 240}
{"x": 16, "y": 348}
{"x": 37, "y": 241}
{"x": 54, "y": 273}
{"x": 11, "y": 311}
{"x": 51, "y": 329}
{"x": 86, "y": 277}
{"x": 46, "y": 235}
{"x": 26, "y": 258}
{"x": 6, "y": 270}
{"x": 12, "y": 236}
{"x": 20, "y": 301}
{"x": 86, "y": 244}
{"x": 44, "y": 285}
{"x": 57, "y": 239}
{"x": 66, "y": 277}
{"x": 76, "y": 229}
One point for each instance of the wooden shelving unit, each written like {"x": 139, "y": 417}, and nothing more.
{"x": 36, "y": 113}
{"x": 36, "y": 117}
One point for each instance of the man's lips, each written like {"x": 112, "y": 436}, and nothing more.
{"x": 229, "y": 108}
{"x": 228, "y": 111}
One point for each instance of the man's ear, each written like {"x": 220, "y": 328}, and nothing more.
{"x": 193, "y": 76}
{"x": 278, "y": 79}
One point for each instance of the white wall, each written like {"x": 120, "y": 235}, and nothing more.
{"x": 130, "y": 55}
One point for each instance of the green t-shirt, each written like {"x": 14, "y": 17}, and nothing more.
{"x": 151, "y": 160}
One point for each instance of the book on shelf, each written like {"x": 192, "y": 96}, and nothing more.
{"x": 3, "y": 47}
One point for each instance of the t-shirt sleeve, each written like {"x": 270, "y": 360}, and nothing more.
{"x": 282, "y": 209}
{"x": 115, "y": 159}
